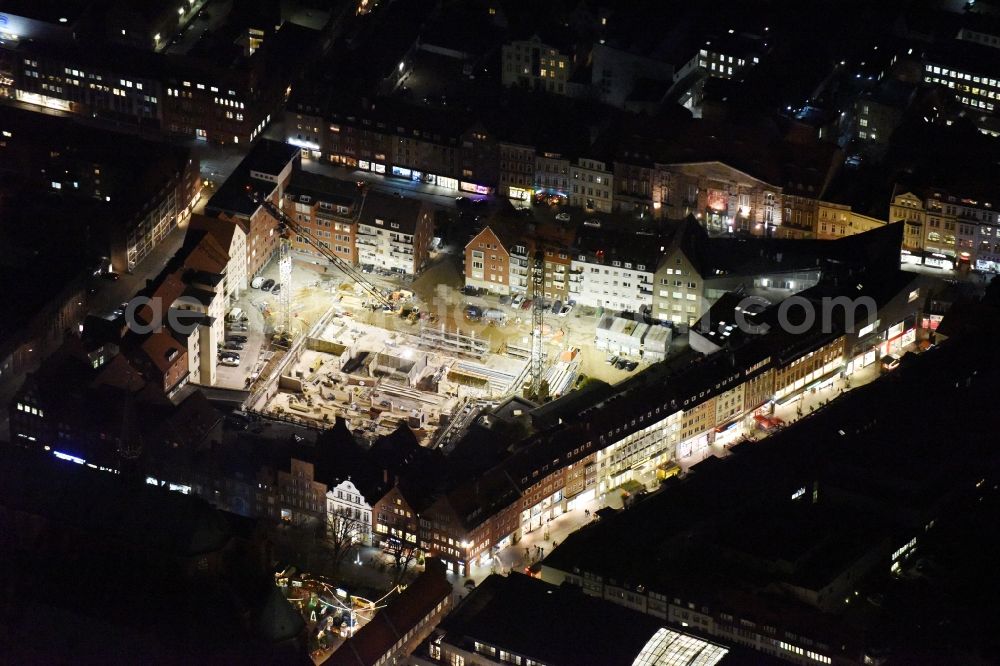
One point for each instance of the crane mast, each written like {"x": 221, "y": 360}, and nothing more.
{"x": 537, "y": 321}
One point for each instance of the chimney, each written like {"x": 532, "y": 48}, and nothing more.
{"x": 385, "y": 476}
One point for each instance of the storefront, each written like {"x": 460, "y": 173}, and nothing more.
{"x": 730, "y": 433}
{"x": 862, "y": 360}
{"x": 473, "y": 188}
{"x": 344, "y": 160}
{"x": 931, "y": 321}
{"x": 519, "y": 194}
{"x": 43, "y": 100}
{"x": 890, "y": 343}
{"x": 374, "y": 167}
{"x": 939, "y": 260}
{"x": 581, "y": 499}
{"x": 693, "y": 447}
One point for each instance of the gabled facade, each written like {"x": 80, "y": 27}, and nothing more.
{"x": 677, "y": 288}
{"x": 346, "y": 501}
{"x": 488, "y": 263}
{"x": 393, "y": 518}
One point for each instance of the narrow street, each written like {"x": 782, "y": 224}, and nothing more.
{"x": 109, "y": 295}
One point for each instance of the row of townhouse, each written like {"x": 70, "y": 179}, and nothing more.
{"x": 728, "y": 189}
{"x": 671, "y": 412}
{"x": 948, "y": 230}
{"x": 614, "y": 441}
{"x": 671, "y": 275}
{"x": 386, "y": 138}
{"x": 357, "y": 226}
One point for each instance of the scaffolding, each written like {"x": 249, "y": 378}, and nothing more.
{"x": 441, "y": 339}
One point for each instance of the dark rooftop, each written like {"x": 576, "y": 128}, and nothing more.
{"x": 567, "y": 626}
{"x": 267, "y": 157}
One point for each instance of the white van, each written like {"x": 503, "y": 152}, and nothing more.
{"x": 234, "y": 315}
{"x": 495, "y": 316}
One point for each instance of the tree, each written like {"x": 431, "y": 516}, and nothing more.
{"x": 342, "y": 532}
{"x": 402, "y": 554}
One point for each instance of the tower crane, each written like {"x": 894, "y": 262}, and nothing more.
{"x": 287, "y": 226}
{"x": 537, "y": 322}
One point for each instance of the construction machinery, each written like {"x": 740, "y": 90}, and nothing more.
{"x": 286, "y": 227}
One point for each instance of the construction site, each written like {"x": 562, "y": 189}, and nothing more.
{"x": 379, "y": 357}
{"x": 376, "y": 378}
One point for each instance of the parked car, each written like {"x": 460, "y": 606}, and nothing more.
{"x": 236, "y": 338}
{"x": 495, "y": 316}
{"x": 505, "y": 299}
{"x": 565, "y": 310}
{"x": 631, "y": 366}
{"x": 111, "y": 275}
{"x": 563, "y": 217}
{"x": 527, "y": 304}
{"x": 611, "y": 360}
{"x": 621, "y": 363}
{"x": 233, "y": 346}
{"x": 593, "y": 224}
{"x": 518, "y": 300}
{"x": 228, "y": 354}
{"x": 276, "y": 289}
{"x": 229, "y": 361}
{"x": 473, "y": 312}
{"x": 267, "y": 284}
{"x": 237, "y": 326}
{"x": 257, "y": 282}
{"x": 556, "y": 307}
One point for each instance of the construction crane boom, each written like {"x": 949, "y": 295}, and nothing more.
{"x": 537, "y": 323}
{"x": 286, "y": 223}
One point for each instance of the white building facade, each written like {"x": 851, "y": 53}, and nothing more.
{"x": 618, "y": 285}
{"x": 346, "y": 501}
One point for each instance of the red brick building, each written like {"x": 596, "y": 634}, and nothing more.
{"x": 487, "y": 262}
